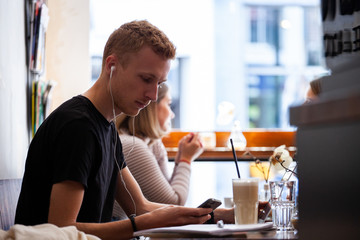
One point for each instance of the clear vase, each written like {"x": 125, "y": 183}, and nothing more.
{"x": 237, "y": 137}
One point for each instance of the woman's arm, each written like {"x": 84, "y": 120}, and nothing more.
{"x": 145, "y": 168}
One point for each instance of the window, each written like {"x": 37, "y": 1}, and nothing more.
{"x": 256, "y": 59}
{"x": 236, "y": 60}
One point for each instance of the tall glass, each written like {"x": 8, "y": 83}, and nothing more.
{"x": 282, "y": 203}
{"x": 246, "y": 200}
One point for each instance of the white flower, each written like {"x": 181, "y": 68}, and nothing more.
{"x": 281, "y": 158}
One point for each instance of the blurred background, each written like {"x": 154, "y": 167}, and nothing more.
{"x": 248, "y": 60}
{"x": 237, "y": 60}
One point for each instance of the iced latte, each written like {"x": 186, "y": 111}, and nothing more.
{"x": 245, "y": 197}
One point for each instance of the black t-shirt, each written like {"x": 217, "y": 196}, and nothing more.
{"x": 74, "y": 143}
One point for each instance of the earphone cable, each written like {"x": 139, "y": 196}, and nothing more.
{"x": 116, "y": 137}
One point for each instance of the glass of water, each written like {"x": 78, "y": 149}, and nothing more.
{"x": 282, "y": 203}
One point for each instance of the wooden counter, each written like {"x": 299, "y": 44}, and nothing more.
{"x": 260, "y": 143}
{"x": 225, "y": 154}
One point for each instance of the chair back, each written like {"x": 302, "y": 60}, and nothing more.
{"x": 9, "y": 194}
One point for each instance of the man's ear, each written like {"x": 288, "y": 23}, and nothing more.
{"x": 110, "y": 64}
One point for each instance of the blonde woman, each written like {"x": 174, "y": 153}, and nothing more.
{"x": 146, "y": 157}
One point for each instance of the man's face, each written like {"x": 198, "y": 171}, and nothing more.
{"x": 136, "y": 85}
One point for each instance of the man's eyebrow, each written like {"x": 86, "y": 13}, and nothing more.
{"x": 153, "y": 76}
{"x": 148, "y": 74}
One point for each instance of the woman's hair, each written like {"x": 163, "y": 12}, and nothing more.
{"x": 146, "y": 123}
{"x": 131, "y": 37}
{"x": 315, "y": 86}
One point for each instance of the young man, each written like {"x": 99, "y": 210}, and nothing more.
{"x": 75, "y": 167}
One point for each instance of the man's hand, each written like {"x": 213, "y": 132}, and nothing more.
{"x": 263, "y": 210}
{"x": 172, "y": 216}
{"x": 227, "y": 214}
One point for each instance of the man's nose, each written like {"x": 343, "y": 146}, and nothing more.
{"x": 152, "y": 93}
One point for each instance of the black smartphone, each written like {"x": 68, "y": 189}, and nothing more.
{"x": 210, "y": 203}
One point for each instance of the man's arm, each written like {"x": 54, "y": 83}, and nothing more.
{"x": 65, "y": 202}
{"x": 225, "y": 214}
{"x": 66, "y": 198}
{"x": 143, "y": 205}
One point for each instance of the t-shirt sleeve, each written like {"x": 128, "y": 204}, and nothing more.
{"x": 119, "y": 154}
{"x": 74, "y": 153}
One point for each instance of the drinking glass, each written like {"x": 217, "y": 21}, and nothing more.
{"x": 282, "y": 203}
{"x": 246, "y": 200}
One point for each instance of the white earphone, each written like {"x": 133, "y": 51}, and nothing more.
{"x": 111, "y": 71}
{"x": 115, "y": 158}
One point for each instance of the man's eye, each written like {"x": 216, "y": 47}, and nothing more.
{"x": 148, "y": 80}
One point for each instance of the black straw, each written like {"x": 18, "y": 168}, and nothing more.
{"x": 235, "y": 158}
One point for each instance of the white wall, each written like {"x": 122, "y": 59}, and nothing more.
{"x": 13, "y": 124}
{"x": 67, "y": 62}
{"x": 67, "y": 48}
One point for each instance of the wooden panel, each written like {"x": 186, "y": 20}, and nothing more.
{"x": 328, "y": 150}
{"x": 9, "y": 194}
{"x": 326, "y": 111}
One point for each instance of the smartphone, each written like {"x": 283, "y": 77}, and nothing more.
{"x": 210, "y": 203}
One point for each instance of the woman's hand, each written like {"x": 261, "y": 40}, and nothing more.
{"x": 225, "y": 214}
{"x": 190, "y": 147}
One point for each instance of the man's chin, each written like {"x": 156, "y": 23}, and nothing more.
{"x": 133, "y": 113}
